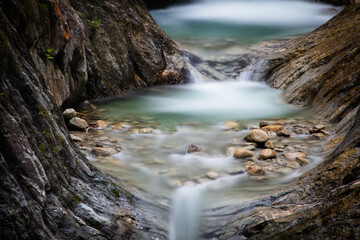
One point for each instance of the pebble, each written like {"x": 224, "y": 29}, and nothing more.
{"x": 212, "y": 174}
{"x": 264, "y": 123}
{"x": 75, "y": 138}
{"x": 231, "y": 125}
{"x": 250, "y": 147}
{"x": 254, "y": 126}
{"x": 283, "y": 133}
{"x": 146, "y": 131}
{"x": 101, "y": 124}
{"x": 302, "y": 161}
{"x": 194, "y": 148}
{"x": 318, "y": 136}
{"x": 294, "y": 155}
{"x": 242, "y": 153}
{"x": 269, "y": 144}
{"x": 257, "y": 136}
{"x": 255, "y": 170}
{"x": 266, "y": 154}
{"x": 103, "y": 151}
{"x": 272, "y": 128}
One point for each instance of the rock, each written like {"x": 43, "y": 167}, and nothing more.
{"x": 302, "y": 161}
{"x": 289, "y": 149}
{"x": 101, "y": 124}
{"x": 294, "y": 155}
{"x": 257, "y": 136}
{"x": 194, "y": 148}
{"x": 250, "y": 147}
{"x": 266, "y": 154}
{"x": 212, "y": 174}
{"x": 318, "y": 136}
{"x": 103, "y": 151}
{"x": 146, "y": 131}
{"x": 254, "y": 126}
{"x": 272, "y": 134}
{"x": 69, "y": 113}
{"x": 75, "y": 138}
{"x": 78, "y": 123}
{"x": 269, "y": 144}
{"x": 283, "y": 133}
{"x": 278, "y": 149}
{"x": 263, "y": 124}
{"x": 231, "y": 125}
{"x": 288, "y": 163}
{"x": 242, "y": 153}
{"x": 319, "y": 126}
{"x": 272, "y": 128}
{"x": 114, "y": 140}
{"x": 230, "y": 151}
{"x": 255, "y": 170}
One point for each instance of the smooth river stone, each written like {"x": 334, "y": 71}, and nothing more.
{"x": 267, "y": 154}
{"x": 257, "y": 135}
{"x": 242, "y": 153}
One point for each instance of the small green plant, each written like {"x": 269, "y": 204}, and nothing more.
{"x": 95, "y": 23}
{"x": 47, "y": 54}
{"x": 113, "y": 49}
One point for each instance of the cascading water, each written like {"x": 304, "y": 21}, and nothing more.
{"x": 198, "y": 113}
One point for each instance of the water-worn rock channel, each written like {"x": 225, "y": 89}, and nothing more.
{"x": 207, "y": 178}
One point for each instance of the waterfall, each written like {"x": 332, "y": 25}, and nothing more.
{"x": 253, "y": 72}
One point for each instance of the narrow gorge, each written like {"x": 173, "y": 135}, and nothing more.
{"x": 57, "y": 54}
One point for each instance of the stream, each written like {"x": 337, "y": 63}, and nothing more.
{"x": 176, "y": 143}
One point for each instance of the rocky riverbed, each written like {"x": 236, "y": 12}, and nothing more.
{"x": 262, "y": 150}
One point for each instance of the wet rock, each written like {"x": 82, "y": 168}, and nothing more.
{"x": 250, "y": 147}
{"x": 288, "y": 163}
{"x": 255, "y": 170}
{"x": 318, "y": 136}
{"x": 146, "y": 131}
{"x": 230, "y": 151}
{"x": 269, "y": 144}
{"x": 78, "y": 123}
{"x": 257, "y": 136}
{"x": 263, "y": 124}
{"x": 194, "y": 148}
{"x": 100, "y": 124}
{"x": 231, "y": 125}
{"x": 278, "y": 149}
{"x": 283, "y": 133}
{"x": 103, "y": 151}
{"x": 212, "y": 174}
{"x": 266, "y": 154}
{"x": 69, "y": 113}
{"x": 75, "y": 138}
{"x": 254, "y": 126}
{"x": 272, "y": 134}
{"x": 317, "y": 128}
{"x": 302, "y": 161}
{"x": 272, "y": 128}
{"x": 242, "y": 153}
{"x": 294, "y": 155}
{"x": 289, "y": 149}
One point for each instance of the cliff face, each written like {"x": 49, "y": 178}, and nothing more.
{"x": 319, "y": 70}
{"x": 52, "y": 53}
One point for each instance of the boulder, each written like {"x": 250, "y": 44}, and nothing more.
{"x": 257, "y": 136}
{"x": 69, "y": 113}
{"x": 78, "y": 123}
{"x": 242, "y": 153}
{"x": 266, "y": 154}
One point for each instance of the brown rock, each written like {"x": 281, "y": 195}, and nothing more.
{"x": 146, "y": 131}
{"x": 294, "y": 155}
{"x": 194, "y": 148}
{"x": 269, "y": 144}
{"x": 272, "y": 128}
{"x": 302, "y": 161}
{"x": 318, "y": 136}
{"x": 255, "y": 170}
{"x": 231, "y": 125}
{"x": 267, "y": 154}
{"x": 257, "y": 136}
{"x": 100, "y": 124}
{"x": 242, "y": 153}
{"x": 283, "y": 133}
{"x": 263, "y": 124}
{"x": 103, "y": 151}
{"x": 78, "y": 123}
{"x": 69, "y": 113}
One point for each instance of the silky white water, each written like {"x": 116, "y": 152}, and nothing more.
{"x": 197, "y": 113}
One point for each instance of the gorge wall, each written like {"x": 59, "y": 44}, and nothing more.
{"x": 56, "y": 52}
{"x": 53, "y": 53}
